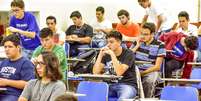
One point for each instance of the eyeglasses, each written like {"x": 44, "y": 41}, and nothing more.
{"x": 15, "y": 10}
{"x": 39, "y": 63}
{"x": 145, "y": 34}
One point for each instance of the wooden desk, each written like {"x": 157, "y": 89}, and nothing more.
{"x": 194, "y": 63}
{"x": 89, "y": 48}
{"x": 75, "y": 59}
{"x": 98, "y": 77}
{"x": 182, "y": 81}
{"x": 143, "y": 62}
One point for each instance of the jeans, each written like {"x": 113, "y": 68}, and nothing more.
{"x": 98, "y": 43}
{"x": 5, "y": 97}
{"x": 171, "y": 65}
{"x": 122, "y": 91}
{"x": 149, "y": 83}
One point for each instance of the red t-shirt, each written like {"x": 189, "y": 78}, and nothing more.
{"x": 132, "y": 30}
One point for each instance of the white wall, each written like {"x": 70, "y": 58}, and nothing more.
{"x": 63, "y": 8}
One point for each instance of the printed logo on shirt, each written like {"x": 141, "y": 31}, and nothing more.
{"x": 21, "y": 25}
{"x": 7, "y": 71}
{"x": 109, "y": 69}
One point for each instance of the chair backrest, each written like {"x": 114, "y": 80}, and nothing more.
{"x": 94, "y": 91}
{"x": 196, "y": 74}
{"x": 179, "y": 93}
{"x": 139, "y": 83}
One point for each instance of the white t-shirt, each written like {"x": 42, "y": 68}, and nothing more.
{"x": 101, "y": 25}
{"x": 153, "y": 12}
{"x": 192, "y": 30}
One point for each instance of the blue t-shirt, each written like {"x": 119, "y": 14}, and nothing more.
{"x": 178, "y": 50}
{"x": 27, "y": 23}
{"x": 21, "y": 69}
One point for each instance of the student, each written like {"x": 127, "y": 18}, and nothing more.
{"x": 101, "y": 26}
{"x": 184, "y": 25}
{"x": 157, "y": 14}
{"x": 58, "y": 35}
{"x": 115, "y": 60}
{"x": 15, "y": 71}
{"x": 149, "y": 49}
{"x": 48, "y": 44}
{"x": 182, "y": 47}
{"x": 128, "y": 29}
{"x": 68, "y": 96}
{"x": 78, "y": 35}
{"x": 48, "y": 84}
{"x": 24, "y": 24}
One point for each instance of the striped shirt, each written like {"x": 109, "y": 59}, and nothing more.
{"x": 149, "y": 53}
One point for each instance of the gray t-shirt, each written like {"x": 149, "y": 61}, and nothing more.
{"x": 35, "y": 90}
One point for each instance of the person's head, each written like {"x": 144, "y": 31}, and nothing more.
{"x": 147, "y": 32}
{"x": 114, "y": 39}
{"x": 191, "y": 42}
{"x": 144, "y": 3}
{"x": 76, "y": 17}
{"x": 183, "y": 18}
{"x": 12, "y": 46}
{"x": 51, "y": 22}
{"x": 47, "y": 65}
{"x": 123, "y": 16}
{"x": 17, "y": 8}
{"x": 46, "y": 37}
{"x": 100, "y": 12}
{"x": 68, "y": 96}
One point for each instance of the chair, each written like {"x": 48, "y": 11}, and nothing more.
{"x": 196, "y": 74}
{"x": 178, "y": 93}
{"x": 94, "y": 91}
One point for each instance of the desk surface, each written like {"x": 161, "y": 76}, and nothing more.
{"x": 89, "y": 48}
{"x": 97, "y": 77}
{"x": 143, "y": 62}
{"x": 194, "y": 63}
{"x": 75, "y": 59}
{"x": 181, "y": 80}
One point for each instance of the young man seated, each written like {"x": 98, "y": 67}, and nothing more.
{"x": 149, "y": 49}
{"x": 15, "y": 71}
{"x": 115, "y": 60}
{"x": 78, "y": 35}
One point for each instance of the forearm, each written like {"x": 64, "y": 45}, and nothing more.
{"x": 135, "y": 48}
{"x": 152, "y": 69}
{"x": 86, "y": 40}
{"x": 27, "y": 34}
{"x": 118, "y": 68}
{"x": 20, "y": 84}
{"x": 97, "y": 68}
{"x": 22, "y": 99}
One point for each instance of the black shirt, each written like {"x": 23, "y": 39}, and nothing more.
{"x": 81, "y": 31}
{"x": 127, "y": 57}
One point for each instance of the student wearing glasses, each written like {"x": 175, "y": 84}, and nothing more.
{"x": 149, "y": 49}
{"x": 24, "y": 24}
{"x": 48, "y": 85}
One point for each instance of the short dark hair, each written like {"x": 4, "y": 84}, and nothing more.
{"x": 68, "y": 96}
{"x": 123, "y": 12}
{"x": 191, "y": 42}
{"x": 51, "y": 18}
{"x": 45, "y": 32}
{"x": 150, "y": 26}
{"x": 15, "y": 39}
{"x": 52, "y": 69}
{"x": 183, "y": 14}
{"x": 114, "y": 34}
{"x": 142, "y": 0}
{"x": 17, "y": 3}
{"x": 101, "y": 9}
{"x": 76, "y": 14}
